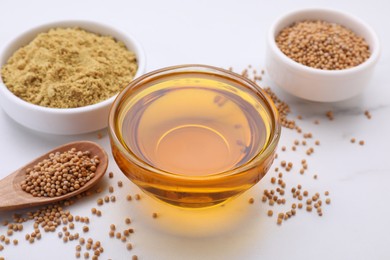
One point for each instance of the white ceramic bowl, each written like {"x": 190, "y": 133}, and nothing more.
{"x": 63, "y": 121}
{"x": 316, "y": 84}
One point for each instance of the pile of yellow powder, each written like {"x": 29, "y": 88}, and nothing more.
{"x": 68, "y": 68}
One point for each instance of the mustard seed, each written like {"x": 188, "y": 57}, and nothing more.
{"x": 15, "y": 241}
{"x": 86, "y": 255}
{"x": 129, "y": 246}
{"x": 112, "y": 227}
{"x": 270, "y": 213}
{"x": 118, "y": 235}
{"x": 134, "y": 257}
{"x": 128, "y": 197}
{"x": 106, "y": 199}
{"x": 327, "y": 201}
{"x": 85, "y": 229}
{"x": 137, "y": 197}
{"x": 353, "y": 140}
{"x": 113, "y": 198}
{"x": 120, "y": 184}
{"x": 110, "y": 175}
{"x": 111, "y": 233}
{"x": 127, "y": 220}
{"x": 111, "y": 189}
{"x": 77, "y": 254}
{"x": 326, "y": 193}
{"x": 361, "y": 142}
{"x": 100, "y": 201}
{"x": 251, "y": 201}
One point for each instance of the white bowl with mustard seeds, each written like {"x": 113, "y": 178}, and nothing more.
{"x": 56, "y": 97}
{"x": 312, "y": 71}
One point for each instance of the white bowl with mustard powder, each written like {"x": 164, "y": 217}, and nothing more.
{"x": 67, "y": 80}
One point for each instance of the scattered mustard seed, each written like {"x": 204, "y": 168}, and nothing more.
{"x": 111, "y": 189}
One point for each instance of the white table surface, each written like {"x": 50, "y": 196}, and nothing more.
{"x": 227, "y": 33}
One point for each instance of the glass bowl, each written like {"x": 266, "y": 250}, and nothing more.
{"x": 193, "y": 135}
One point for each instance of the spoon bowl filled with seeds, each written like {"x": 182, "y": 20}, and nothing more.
{"x": 62, "y": 77}
{"x": 60, "y": 174}
{"x": 321, "y": 55}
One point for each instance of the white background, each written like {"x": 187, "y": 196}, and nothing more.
{"x": 228, "y": 33}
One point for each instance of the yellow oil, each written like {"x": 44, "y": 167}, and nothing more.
{"x": 195, "y": 129}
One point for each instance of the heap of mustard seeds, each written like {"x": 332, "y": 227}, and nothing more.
{"x": 60, "y": 173}
{"x": 323, "y": 45}
{"x": 69, "y": 68}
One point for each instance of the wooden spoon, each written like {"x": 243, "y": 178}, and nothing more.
{"x": 13, "y": 197}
